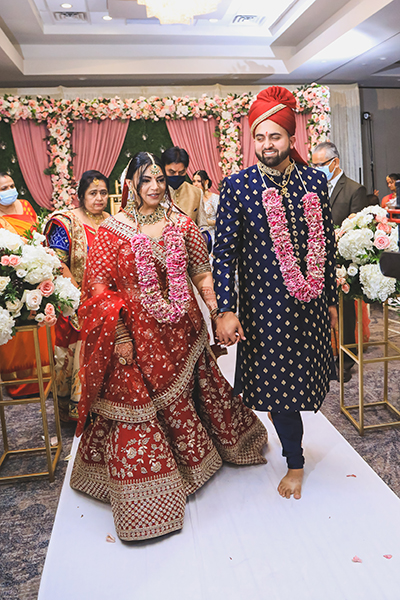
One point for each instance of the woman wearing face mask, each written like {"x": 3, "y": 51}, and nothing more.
{"x": 17, "y": 357}
{"x": 210, "y": 201}
{"x": 162, "y": 418}
{"x": 70, "y": 233}
{"x": 16, "y": 215}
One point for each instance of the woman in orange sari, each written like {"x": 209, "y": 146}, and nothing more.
{"x": 17, "y": 357}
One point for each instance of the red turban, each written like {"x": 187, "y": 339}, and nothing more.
{"x": 276, "y": 104}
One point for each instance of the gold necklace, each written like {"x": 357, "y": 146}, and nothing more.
{"x": 154, "y": 217}
{"x": 287, "y": 174}
{"x": 96, "y": 218}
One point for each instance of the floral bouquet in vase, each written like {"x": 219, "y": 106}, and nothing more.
{"x": 361, "y": 239}
{"x": 32, "y": 289}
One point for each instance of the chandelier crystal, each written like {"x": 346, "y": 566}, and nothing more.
{"x": 179, "y": 11}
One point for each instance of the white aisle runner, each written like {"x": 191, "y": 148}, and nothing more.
{"x": 241, "y": 540}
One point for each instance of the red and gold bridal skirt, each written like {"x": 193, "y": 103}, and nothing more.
{"x": 145, "y": 469}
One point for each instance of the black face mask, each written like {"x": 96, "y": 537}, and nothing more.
{"x": 175, "y": 181}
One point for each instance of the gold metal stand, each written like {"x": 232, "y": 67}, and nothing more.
{"x": 41, "y": 379}
{"x": 361, "y": 362}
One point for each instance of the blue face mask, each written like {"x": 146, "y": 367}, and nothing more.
{"x": 325, "y": 169}
{"x": 175, "y": 181}
{"x": 8, "y": 197}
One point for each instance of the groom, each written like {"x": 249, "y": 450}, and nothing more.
{"x": 284, "y": 360}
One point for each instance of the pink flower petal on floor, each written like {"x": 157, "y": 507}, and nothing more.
{"x": 110, "y": 539}
{"x": 387, "y": 556}
{"x": 352, "y": 475}
{"x": 356, "y": 559}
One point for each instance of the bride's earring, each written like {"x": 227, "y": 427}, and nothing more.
{"x": 130, "y": 205}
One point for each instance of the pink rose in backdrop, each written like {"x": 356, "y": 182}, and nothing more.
{"x": 14, "y": 260}
{"x": 50, "y": 320}
{"x": 47, "y": 288}
{"x": 382, "y": 242}
{"x": 49, "y": 310}
{"x": 384, "y": 227}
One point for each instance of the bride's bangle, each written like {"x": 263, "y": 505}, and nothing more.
{"x": 214, "y": 313}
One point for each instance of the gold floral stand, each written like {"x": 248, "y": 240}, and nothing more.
{"x": 356, "y": 352}
{"x": 46, "y": 384}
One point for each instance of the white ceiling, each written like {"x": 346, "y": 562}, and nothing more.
{"x": 248, "y": 42}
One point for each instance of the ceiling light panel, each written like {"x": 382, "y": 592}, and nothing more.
{"x": 77, "y": 6}
{"x": 258, "y": 12}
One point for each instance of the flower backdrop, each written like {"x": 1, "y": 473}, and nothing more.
{"x": 59, "y": 115}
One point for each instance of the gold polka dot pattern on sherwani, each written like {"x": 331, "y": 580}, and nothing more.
{"x": 285, "y": 364}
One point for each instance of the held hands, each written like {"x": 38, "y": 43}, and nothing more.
{"x": 124, "y": 352}
{"x": 228, "y": 329}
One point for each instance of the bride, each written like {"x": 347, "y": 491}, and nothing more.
{"x": 157, "y": 416}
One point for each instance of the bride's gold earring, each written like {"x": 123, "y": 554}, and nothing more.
{"x": 131, "y": 205}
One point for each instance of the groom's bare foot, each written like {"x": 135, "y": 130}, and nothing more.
{"x": 291, "y": 484}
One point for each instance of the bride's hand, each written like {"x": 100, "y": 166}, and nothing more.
{"x": 124, "y": 351}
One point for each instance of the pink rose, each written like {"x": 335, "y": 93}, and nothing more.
{"x": 346, "y": 288}
{"x": 384, "y": 227}
{"x": 47, "y": 288}
{"x": 14, "y": 260}
{"x": 50, "y": 320}
{"x": 381, "y": 219}
{"x": 5, "y": 261}
{"x": 341, "y": 281}
{"x": 49, "y": 310}
{"x": 381, "y": 242}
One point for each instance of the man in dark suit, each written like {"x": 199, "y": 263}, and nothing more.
{"x": 346, "y": 197}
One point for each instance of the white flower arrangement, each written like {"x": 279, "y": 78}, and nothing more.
{"x": 32, "y": 288}
{"x": 362, "y": 238}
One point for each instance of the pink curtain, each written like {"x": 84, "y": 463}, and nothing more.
{"x": 97, "y": 145}
{"x": 198, "y": 139}
{"x": 249, "y": 157}
{"x": 33, "y": 159}
{"x": 302, "y": 135}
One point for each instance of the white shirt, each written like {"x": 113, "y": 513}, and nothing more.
{"x": 333, "y": 182}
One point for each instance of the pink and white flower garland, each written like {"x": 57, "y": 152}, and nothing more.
{"x": 178, "y": 295}
{"x": 61, "y": 114}
{"x": 304, "y": 289}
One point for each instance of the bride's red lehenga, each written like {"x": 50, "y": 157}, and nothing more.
{"x": 161, "y": 427}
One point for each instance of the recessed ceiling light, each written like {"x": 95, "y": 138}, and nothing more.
{"x": 82, "y": 78}
{"x": 66, "y": 5}
{"x": 213, "y": 20}
{"x": 107, "y": 18}
{"x": 382, "y": 58}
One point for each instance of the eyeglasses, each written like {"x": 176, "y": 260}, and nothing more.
{"x": 316, "y": 165}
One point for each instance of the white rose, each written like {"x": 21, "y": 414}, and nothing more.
{"x": 375, "y": 285}
{"x": 40, "y": 317}
{"x": 4, "y": 281}
{"x": 38, "y": 238}
{"x": 352, "y": 270}
{"x": 33, "y": 299}
{"x": 14, "y": 307}
{"x": 341, "y": 272}
{"x": 20, "y": 273}
{"x": 9, "y": 240}
{"x": 6, "y": 325}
